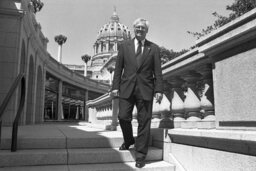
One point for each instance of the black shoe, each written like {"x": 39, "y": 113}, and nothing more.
{"x": 125, "y": 147}
{"x": 140, "y": 164}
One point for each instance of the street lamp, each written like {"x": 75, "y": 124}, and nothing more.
{"x": 60, "y": 39}
{"x": 85, "y": 58}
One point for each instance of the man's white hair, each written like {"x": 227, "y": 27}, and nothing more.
{"x": 141, "y": 20}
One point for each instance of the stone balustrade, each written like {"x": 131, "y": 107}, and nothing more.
{"x": 192, "y": 102}
{"x": 104, "y": 110}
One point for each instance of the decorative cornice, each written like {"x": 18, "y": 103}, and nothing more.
{"x": 13, "y": 12}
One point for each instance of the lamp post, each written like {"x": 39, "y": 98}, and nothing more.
{"x": 60, "y": 39}
{"x": 110, "y": 70}
{"x": 85, "y": 58}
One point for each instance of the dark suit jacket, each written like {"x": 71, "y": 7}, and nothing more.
{"x": 147, "y": 74}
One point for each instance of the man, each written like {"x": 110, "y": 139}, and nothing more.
{"x": 137, "y": 78}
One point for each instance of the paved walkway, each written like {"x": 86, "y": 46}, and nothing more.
{"x": 58, "y": 131}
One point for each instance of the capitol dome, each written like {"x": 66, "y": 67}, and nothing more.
{"x": 109, "y": 36}
{"x": 113, "y": 29}
{"x": 105, "y": 47}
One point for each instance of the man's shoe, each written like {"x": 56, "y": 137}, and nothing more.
{"x": 140, "y": 164}
{"x": 125, "y": 147}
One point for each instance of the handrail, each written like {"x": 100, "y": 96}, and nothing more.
{"x": 20, "y": 79}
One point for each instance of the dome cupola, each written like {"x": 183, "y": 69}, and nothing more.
{"x": 114, "y": 18}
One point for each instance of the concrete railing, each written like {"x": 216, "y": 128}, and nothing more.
{"x": 207, "y": 84}
{"x": 189, "y": 86}
{"x": 104, "y": 110}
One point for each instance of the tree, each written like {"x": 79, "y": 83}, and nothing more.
{"x": 167, "y": 55}
{"x": 238, "y": 8}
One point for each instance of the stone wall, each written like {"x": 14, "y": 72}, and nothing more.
{"x": 225, "y": 140}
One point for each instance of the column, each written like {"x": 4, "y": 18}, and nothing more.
{"x": 96, "y": 48}
{"x": 101, "y": 47}
{"x": 107, "y": 46}
{"x": 115, "y": 46}
{"x": 86, "y": 114}
{"x": 60, "y": 53}
{"x": 60, "y": 108}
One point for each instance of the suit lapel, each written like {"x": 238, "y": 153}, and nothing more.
{"x": 132, "y": 51}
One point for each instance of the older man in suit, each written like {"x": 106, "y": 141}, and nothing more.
{"x": 137, "y": 79}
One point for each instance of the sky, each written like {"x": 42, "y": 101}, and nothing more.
{"x": 80, "y": 21}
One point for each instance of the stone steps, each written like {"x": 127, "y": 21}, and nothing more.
{"x": 63, "y": 143}
{"x": 124, "y": 166}
{"x": 62, "y": 137}
{"x": 71, "y": 156}
{"x": 72, "y": 148}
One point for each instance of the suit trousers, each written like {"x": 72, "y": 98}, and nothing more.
{"x": 144, "y": 115}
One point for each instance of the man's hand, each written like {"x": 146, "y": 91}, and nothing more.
{"x": 114, "y": 93}
{"x": 159, "y": 97}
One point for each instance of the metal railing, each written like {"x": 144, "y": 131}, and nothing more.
{"x": 20, "y": 79}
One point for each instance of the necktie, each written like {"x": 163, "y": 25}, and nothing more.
{"x": 139, "y": 48}
{"x": 138, "y": 53}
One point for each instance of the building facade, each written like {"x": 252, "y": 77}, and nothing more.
{"x": 53, "y": 92}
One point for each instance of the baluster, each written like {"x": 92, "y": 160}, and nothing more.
{"x": 97, "y": 113}
{"x": 109, "y": 116}
{"x": 192, "y": 104}
{"x": 104, "y": 114}
{"x": 177, "y": 102}
{"x": 101, "y": 113}
{"x": 207, "y": 105}
{"x": 207, "y": 98}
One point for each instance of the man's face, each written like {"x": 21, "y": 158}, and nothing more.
{"x": 140, "y": 31}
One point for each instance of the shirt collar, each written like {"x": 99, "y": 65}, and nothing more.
{"x": 137, "y": 42}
